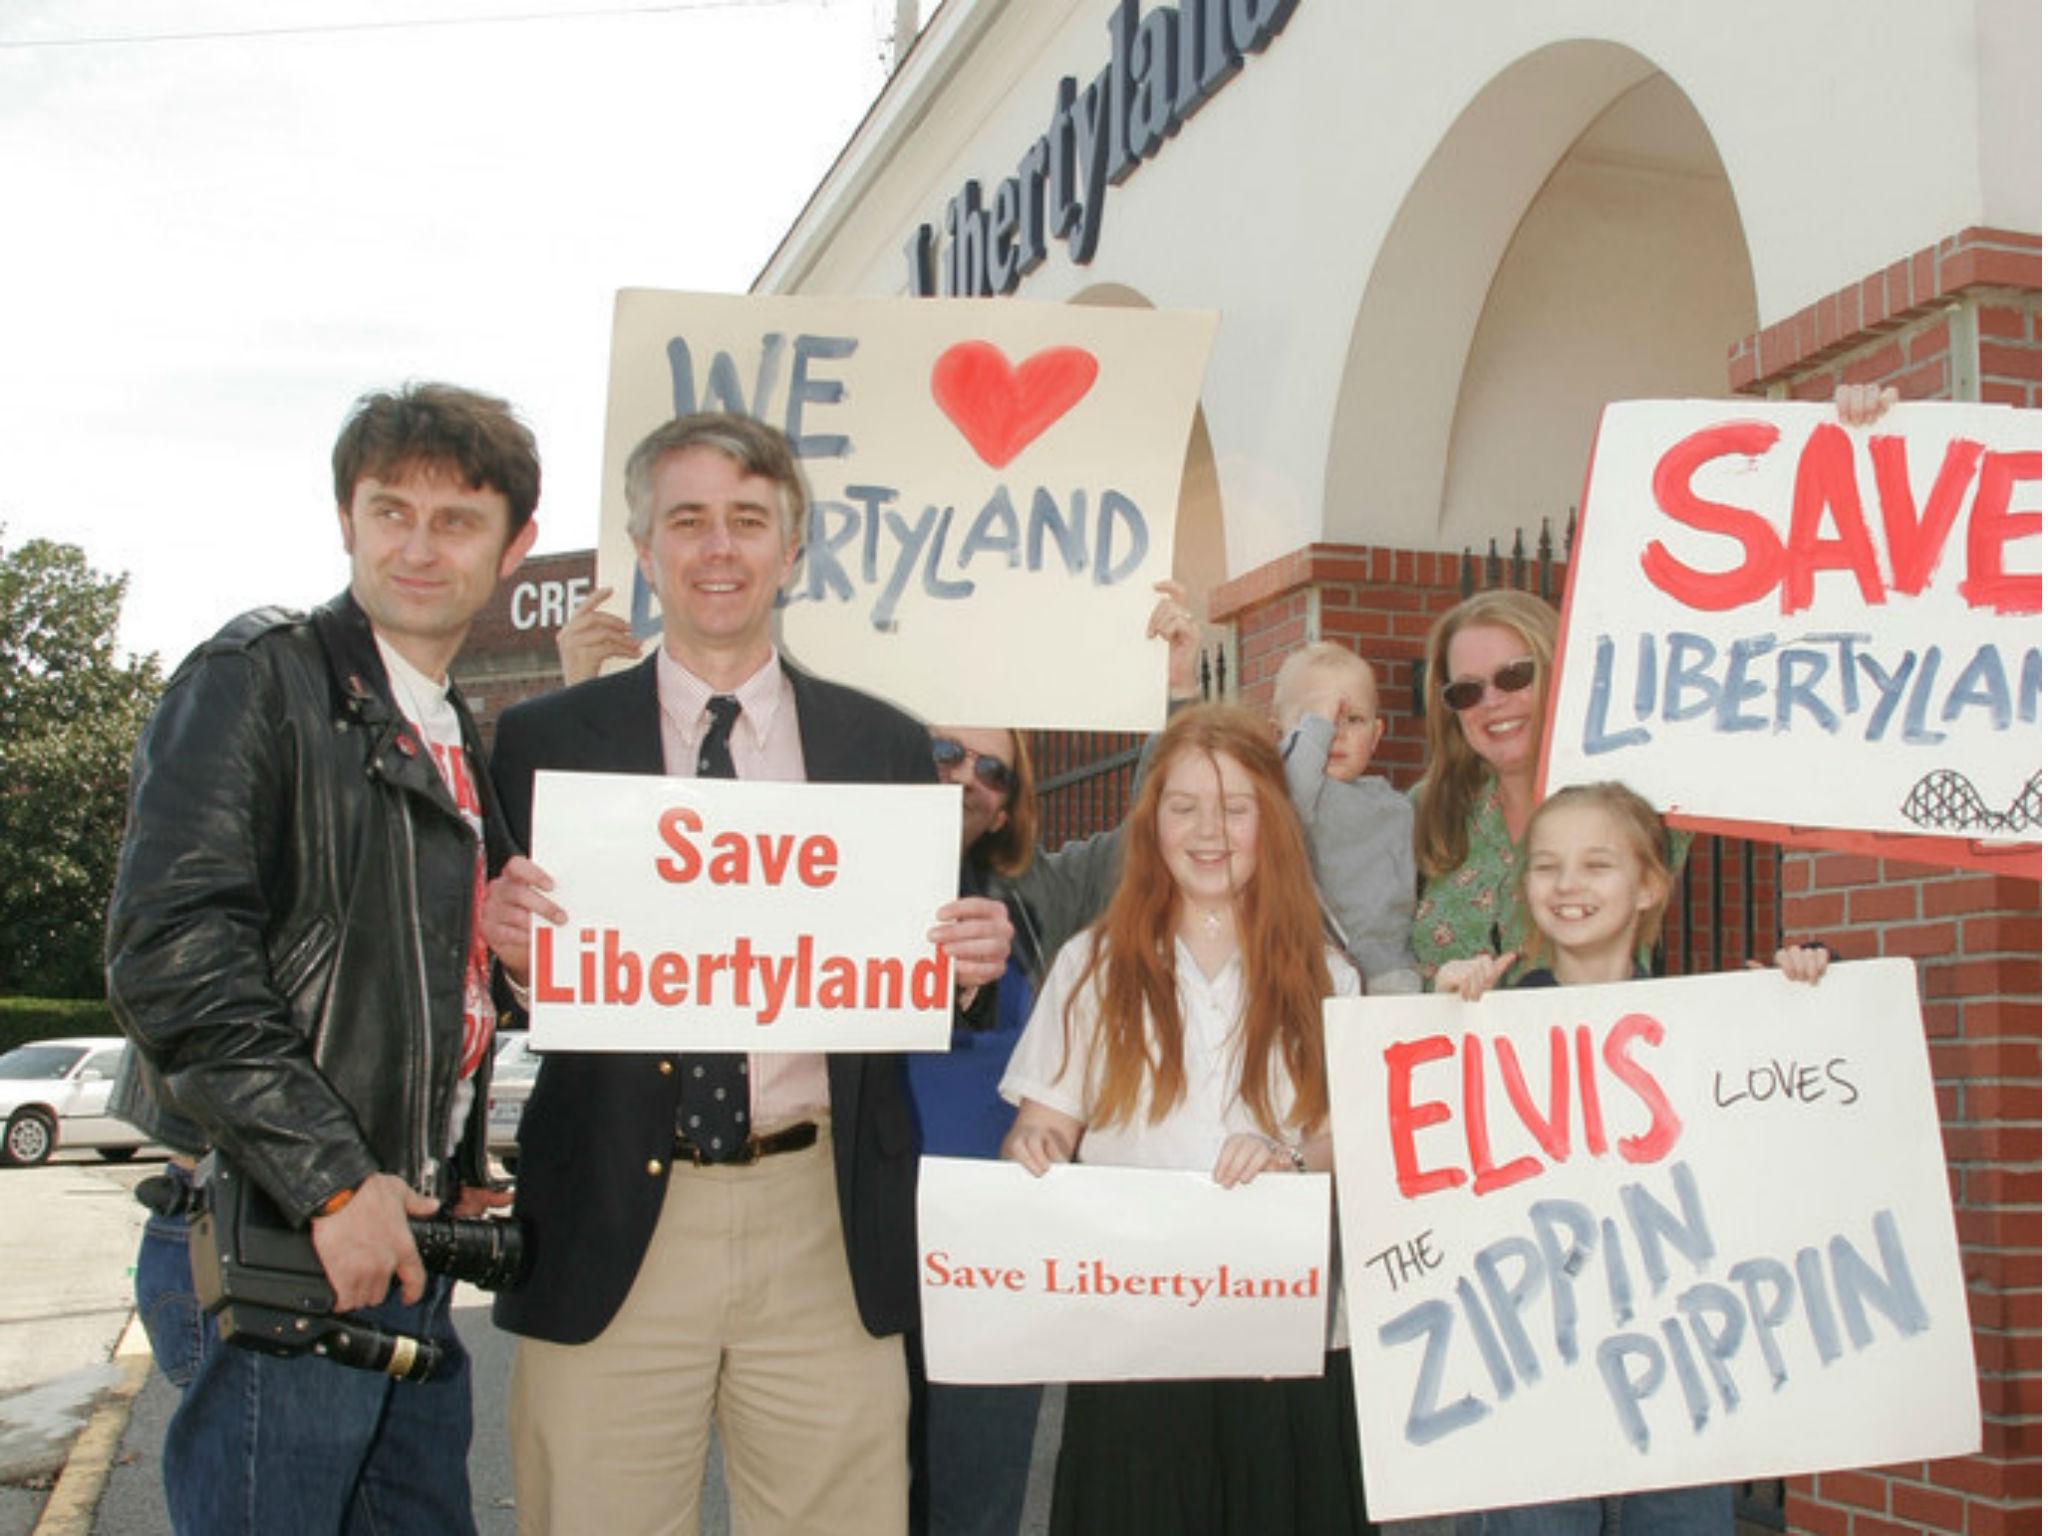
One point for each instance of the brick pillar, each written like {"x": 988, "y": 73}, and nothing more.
{"x": 1957, "y": 321}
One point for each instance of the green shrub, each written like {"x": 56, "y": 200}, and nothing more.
{"x": 23, "y": 1019}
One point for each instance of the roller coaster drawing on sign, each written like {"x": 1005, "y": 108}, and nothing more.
{"x": 1946, "y": 801}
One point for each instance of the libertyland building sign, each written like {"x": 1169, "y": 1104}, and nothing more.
{"x": 1162, "y": 67}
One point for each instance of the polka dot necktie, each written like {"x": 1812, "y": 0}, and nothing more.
{"x": 712, "y": 1113}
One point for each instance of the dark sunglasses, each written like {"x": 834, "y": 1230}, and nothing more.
{"x": 995, "y": 774}
{"x": 1512, "y": 678}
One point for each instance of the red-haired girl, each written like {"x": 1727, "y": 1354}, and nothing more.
{"x": 1184, "y": 1030}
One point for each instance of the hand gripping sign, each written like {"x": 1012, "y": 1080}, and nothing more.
{"x": 987, "y": 478}
{"x": 1663, "y": 1233}
{"x": 741, "y": 915}
{"x": 1787, "y": 628}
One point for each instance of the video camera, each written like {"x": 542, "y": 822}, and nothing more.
{"x": 261, "y": 1279}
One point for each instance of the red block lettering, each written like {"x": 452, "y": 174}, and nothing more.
{"x": 1664, "y": 1127}
{"x": 674, "y": 826}
{"x": 1552, "y": 1132}
{"x": 1486, "y": 1178}
{"x": 1993, "y": 525}
{"x": 1405, "y": 1117}
{"x": 1763, "y": 557}
{"x": 1825, "y": 483}
{"x": 1915, "y": 539}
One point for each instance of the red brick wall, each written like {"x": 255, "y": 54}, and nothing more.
{"x": 1976, "y": 941}
{"x": 1902, "y": 326}
{"x": 1960, "y": 321}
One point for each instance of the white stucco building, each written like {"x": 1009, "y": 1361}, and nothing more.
{"x": 1439, "y": 235}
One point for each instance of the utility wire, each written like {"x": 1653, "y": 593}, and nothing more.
{"x": 401, "y": 25}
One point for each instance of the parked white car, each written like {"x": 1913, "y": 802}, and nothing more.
{"x": 53, "y": 1093}
{"x": 512, "y": 1073}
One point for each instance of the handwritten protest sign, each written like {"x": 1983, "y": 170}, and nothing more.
{"x": 1600, "y": 1239}
{"x": 989, "y": 478}
{"x": 1118, "y": 1274}
{"x": 1775, "y": 622}
{"x": 742, "y": 915}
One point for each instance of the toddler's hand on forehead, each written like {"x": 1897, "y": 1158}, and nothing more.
{"x": 1327, "y": 702}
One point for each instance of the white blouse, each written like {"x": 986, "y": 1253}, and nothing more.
{"x": 1192, "y": 1133}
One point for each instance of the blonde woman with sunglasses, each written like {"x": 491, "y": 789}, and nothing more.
{"x": 1489, "y": 667}
{"x": 1486, "y": 702}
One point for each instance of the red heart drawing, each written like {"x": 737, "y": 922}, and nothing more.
{"x": 1000, "y": 409}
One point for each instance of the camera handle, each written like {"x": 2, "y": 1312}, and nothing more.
{"x": 344, "y": 1340}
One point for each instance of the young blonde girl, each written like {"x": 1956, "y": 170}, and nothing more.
{"x": 1184, "y": 1030}
{"x": 1594, "y": 886}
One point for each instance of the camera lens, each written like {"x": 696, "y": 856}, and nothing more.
{"x": 488, "y": 1254}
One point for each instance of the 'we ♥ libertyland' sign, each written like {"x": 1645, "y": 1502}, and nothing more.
{"x": 741, "y": 914}
{"x": 1601, "y": 1239}
{"x": 1789, "y": 629}
{"x": 988, "y": 477}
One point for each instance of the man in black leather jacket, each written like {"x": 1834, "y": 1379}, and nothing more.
{"x": 292, "y": 948}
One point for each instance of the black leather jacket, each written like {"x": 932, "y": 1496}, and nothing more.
{"x": 290, "y": 922}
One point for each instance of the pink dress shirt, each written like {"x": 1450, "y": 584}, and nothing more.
{"x": 766, "y": 744}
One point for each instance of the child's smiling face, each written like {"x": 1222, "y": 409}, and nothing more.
{"x": 1208, "y": 827}
{"x": 1586, "y": 887}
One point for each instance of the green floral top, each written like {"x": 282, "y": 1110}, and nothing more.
{"x": 1458, "y": 911}
{"x": 1455, "y": 918}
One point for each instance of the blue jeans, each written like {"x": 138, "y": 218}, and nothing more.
{"x": 260, "y": 1444}
{"x": 980, "y": 1445}
{"x": 970, "y": 1452}
{"x": 1666, "y": 1512}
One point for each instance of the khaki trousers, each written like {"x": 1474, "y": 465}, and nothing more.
{"x": 743, "y": 1308}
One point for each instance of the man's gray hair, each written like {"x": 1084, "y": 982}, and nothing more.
{"x": 756, "y": 448}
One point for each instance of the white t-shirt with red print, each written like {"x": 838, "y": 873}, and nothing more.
{"x": 425, "y": 703}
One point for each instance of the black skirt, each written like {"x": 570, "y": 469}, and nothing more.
{"x": 1211, "y": 1458}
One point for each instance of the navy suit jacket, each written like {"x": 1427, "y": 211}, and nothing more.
{"x": 597, "y": 1138}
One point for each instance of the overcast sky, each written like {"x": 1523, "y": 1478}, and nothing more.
{"x": 216, "y": 240}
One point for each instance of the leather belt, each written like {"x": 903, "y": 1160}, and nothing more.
{"x": 791, "y": 1138}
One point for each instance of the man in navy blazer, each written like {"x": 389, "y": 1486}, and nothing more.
{"x": 765, "y": 1276}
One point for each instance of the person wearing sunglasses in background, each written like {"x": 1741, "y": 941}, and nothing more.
{"x": 1485, "y": 701}
{"x": 971, "y": 1445}
{"x": 1489, "y": 662}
